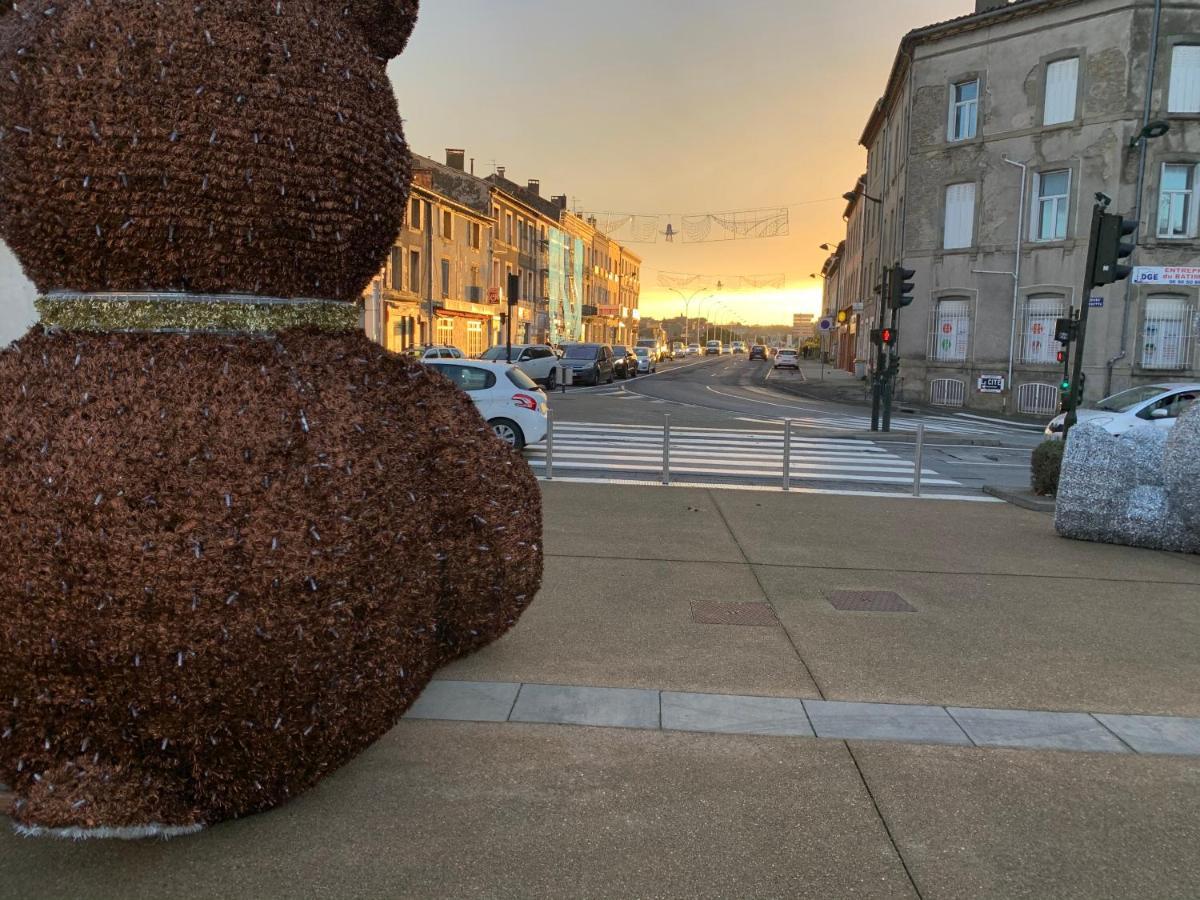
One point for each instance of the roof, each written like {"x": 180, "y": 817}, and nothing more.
{"x": 534, "y": 201}
{"x": 1015, "y": 9}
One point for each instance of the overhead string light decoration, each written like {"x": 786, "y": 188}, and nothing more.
{"x": 690, "y": 281}
{"x": 734, "y": 225}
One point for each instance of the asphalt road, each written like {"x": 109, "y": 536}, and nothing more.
{"x": 727, "y": 415}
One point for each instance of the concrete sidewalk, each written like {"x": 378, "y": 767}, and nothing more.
{"x": 644, "y": 797}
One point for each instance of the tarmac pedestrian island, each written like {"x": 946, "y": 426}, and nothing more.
{"x": 238, "y": 537}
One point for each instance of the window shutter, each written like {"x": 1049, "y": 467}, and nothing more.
{"x": 1185, "y": 80}
{"x": 960, "y": 216}
{"x": 1062, "y": 86}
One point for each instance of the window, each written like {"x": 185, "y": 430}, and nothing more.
{"x": 1053, "y": 204}
{"x": 396, "y": 282}
{"x": 414, "y": 271}
{"x": 445, "y": 281}
{"x": 448, "y": 225}
{"x": 475, "y": 338}
{"x": 476, "y": 235}
{"x": 508, "y": 229}
{"x": 445, "y": 332}
{"x": 1037, "y": 335}
{"x": 960, "y": 216}
{"x": 1062, "y": 89}
{"x": 467, "y": 378}
{"x": 1165, "y": 337}
{"x": 951, "y": 330}
{"x": 1185, "y": 79}
{"x": 414, "y": 214}
{"x": 1177, "y": 201}
{"x": 964, "y": 110}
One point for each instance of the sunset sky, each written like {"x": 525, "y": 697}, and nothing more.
{"x": 654, "y": 106}
{"x": 668, "y": 107}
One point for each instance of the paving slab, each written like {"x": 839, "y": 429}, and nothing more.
{"x": 734, "y": 715}
{"x": 1037, "y": 729}
{"x": 883, "y": 722}
{"x": 1156, "y": 734}
{"x": 460, "y": 810}
{"x": 598, "y": 706}
{"x": 999, "y": 642}
{"x": 1039, "y": 824}
{"x": 933, "y": 536}
{"x": 628, "y": 623}
{"x": 635, "y": 523}
{"x": 465, "y": 701}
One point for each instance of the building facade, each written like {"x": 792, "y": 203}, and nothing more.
{"x": 434, "y": 286}
{"x": 995, "y": 134}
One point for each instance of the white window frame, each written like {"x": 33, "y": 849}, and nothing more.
{"x": 960, "y": 106}
{"x": 1184, "y": 91}
{"x": 1167, "y": 333}
{"x": 1040, "y": 314}
{"x": 1061, "y": 203}
{"x": 1170, "y": 201}
{"x": 1060, "y": 97}
{"x": 958, "y": 229}
{"x": 447, "y": 273}
{"x": 444, "y": 332}
{"x": 954, "y": 345}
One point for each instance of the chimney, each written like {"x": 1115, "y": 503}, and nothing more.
{"x": 592, "y": 221}
{"x": 472, "y": 165}
{"x": 500, "y": 171}
{"x": 535, "y": 187}
{"x": 560, "y": 202}
{"x": 982, "y": 6}
{"x": 456, "y": 159}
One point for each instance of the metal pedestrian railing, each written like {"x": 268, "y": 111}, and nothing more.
{"x": 918, "y": 454}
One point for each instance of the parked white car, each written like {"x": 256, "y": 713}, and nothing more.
{"x": 787, "y": 359}
{"x": 505, "y": 396}
{"x": 424, "y": 353}
{"x": 646, "y": 363}
{"x": 1156, "y": 405}
{"x": 538, "y": 361}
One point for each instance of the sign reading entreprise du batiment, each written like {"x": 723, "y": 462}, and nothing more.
{"x": 1173, "y": 276}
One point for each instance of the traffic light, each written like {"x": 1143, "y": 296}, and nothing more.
{"x": 1112, "y": 248}
{"x": 888, "y": 337}
{"x": 1062, "y": 356}
{"x": 1066, "y": 331}
{"x": 902, "y": 287}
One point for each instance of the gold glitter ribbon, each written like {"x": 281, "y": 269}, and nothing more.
{"x": 170, "y": 313}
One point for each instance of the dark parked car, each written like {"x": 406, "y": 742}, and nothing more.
{"x": 758, "y": 351}
{"x": 591, "y": 363}
{"x": 624, "y": 362}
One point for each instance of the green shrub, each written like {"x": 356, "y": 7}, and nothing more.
{"x": 1047, "y": 461}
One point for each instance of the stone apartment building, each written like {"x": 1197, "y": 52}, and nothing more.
{"x": 434, "y": 286}
{"x": 995, "y": 133}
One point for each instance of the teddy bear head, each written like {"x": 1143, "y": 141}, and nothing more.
{"x": 242, "y": 147}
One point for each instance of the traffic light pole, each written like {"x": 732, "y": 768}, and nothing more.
{"x": 1085, "y": 303}
{"x": 877, "y": 376}
{"x": 889, "y": 373}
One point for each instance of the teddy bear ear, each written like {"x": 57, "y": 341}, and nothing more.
{"x": 386, "y": 24}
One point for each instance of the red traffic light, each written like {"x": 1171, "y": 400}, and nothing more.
{"x": 887, "y": 336}
{"x": 1062, "y": 356}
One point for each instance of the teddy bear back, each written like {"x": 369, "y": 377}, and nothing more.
{"x": 249, "y": 147}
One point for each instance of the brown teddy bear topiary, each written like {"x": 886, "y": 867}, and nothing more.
{"x": 238, "y": 538}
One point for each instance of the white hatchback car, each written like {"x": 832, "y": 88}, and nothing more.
{"x": 1157, "y": 405}
{"x": 505, "y": 396}
{"x": 787, "y": 359}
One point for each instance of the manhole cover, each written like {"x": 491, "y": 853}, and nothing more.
{"x": 869, "y": 601}
{"x": 707, "y": 612}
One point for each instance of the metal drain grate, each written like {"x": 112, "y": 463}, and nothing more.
{"x": 869, "y": 601}
{"x": 708, "y": 612}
